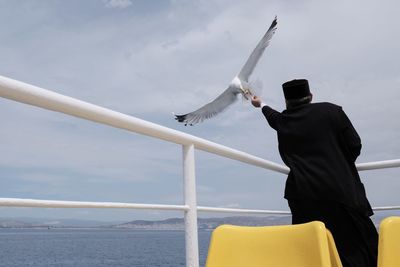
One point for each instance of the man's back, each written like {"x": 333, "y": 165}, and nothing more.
{"x": 319, "y": 144}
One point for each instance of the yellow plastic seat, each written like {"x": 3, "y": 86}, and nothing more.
{"x": 333, "y": 253}
{"x": 301, "y": 245}
{"x": 389, "y": 242}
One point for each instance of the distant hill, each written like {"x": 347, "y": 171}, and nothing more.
{"x": 49, "y": 223}
{"x": 212, "y": 223}
{"x": 204, "y": 223}
{"x": 167, "y": 224}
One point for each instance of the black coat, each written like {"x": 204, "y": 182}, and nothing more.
{"x": 319, "y": 145}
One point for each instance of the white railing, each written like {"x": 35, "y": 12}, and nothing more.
{"x": 32, "y": 95}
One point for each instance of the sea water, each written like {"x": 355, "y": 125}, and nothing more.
{"x": 96, "y": 247}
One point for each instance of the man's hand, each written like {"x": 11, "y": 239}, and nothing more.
{"x": 256, "y": 101}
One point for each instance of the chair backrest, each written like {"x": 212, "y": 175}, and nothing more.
{"x": 389, "y": 242}
{"x": 301, "y": 245}
{"x": 333, "y": 253}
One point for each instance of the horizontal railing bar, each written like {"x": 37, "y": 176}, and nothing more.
{"x": 39, "y": 203}
{"x": 276, "y": 212}
{"x": 36, "y": 96}
{"x": 386, "y": 208}
{"x": 394, "y": 163}
{"x": 249, "y": 211}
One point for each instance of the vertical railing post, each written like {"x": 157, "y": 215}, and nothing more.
{"x": 189, "y": 181}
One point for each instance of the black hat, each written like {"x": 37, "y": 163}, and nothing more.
{"x": 296, "y": 89}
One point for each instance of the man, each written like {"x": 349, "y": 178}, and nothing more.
{"x": 320, "y": 145}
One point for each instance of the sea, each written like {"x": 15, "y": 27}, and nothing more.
{"x": 96, "y": 247}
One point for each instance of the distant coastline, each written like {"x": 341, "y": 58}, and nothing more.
{"x": 171, "y": 224}
{"x": 204, "y": 223}
{"x": 167, "y": 224}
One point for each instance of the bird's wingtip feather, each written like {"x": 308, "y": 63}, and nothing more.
{"x": 180, "y": 118}
{"x": 274, "y": 22}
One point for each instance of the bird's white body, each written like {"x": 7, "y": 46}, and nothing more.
{"x": 236, "y": 82}
{"x": 242, "y": 86}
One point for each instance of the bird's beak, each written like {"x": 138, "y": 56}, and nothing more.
{"x": 246, "y": 92}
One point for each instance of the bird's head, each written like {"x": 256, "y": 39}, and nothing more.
{"x": 242, "y": 88}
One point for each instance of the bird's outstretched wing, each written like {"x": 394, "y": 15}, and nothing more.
{"x": 211, "y": 109}
{"x": 252, "y": 61}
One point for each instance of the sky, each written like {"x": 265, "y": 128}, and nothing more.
{"x": 148, "y": 59}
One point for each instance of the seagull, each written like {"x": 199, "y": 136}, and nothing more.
{"x": 239, "y": 85}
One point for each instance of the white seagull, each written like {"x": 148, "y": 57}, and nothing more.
{"x": 239, "y": 85}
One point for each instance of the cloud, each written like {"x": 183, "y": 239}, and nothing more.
{"x": 121, "y": 4}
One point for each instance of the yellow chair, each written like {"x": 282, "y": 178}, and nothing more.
{"x": 333, "y": 253}
{"x": 389, "y": 242}
{"x": 301, "y": 245}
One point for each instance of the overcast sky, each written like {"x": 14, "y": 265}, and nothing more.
{"x": 150, "y": 58}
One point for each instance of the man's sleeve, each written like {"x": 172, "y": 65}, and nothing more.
{"x": 351, "y": 138}
{"x": 271, "y": 115}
